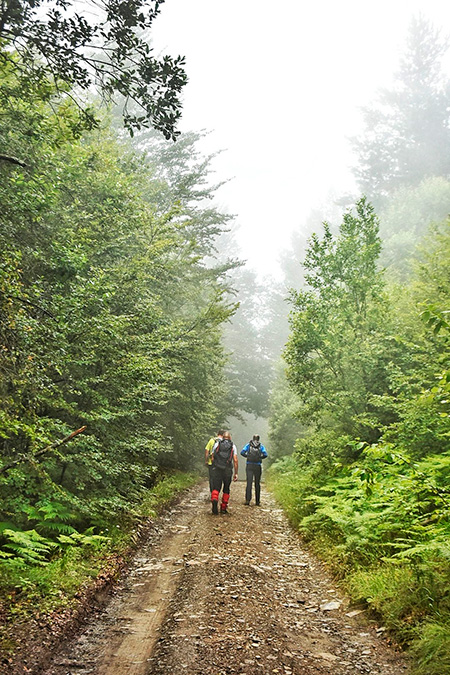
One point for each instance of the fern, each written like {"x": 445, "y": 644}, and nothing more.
{"x": 54, "y": 528}
{"x": 79, "y": 539}
{"x": 51, "y": 518}
{"x": 28, "y": 545}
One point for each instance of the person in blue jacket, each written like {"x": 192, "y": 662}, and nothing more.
{"x": 255, "y": 453}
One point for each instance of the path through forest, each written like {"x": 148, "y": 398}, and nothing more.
{"x": 224, "y": 594}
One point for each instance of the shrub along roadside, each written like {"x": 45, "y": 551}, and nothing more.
{"x": 368, "y": 362}
{"x": 369, "y": 522}
{"x": 49, "y": 592}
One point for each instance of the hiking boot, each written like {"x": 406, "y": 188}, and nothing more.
{"x": 215, "y": 508}
{"x": 257, "y": 504}
{"x": 224, "y": 511}
{"x": 246, "y": 503}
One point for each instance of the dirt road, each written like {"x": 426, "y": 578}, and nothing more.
{"x": 224, "y": 594}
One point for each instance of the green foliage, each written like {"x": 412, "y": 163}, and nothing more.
{"x": 368, "y": 481}
{"x": 284, "y": 427}
{"x": 336, "y": 352}
{"x": 111, "y": 313}
{"x": 164, "y": 490}
{"x": 26, "y": 588}
{"x": 28, "y": 546}
{"x": 66, "y": 52}
{"x": 432, "y": 649}
{"x": 45, "y": 575}
{"x": 382, "y": 523}
{"x": 394, "y": 593}
{"x": 368, "y": 364}
{"x": 405, "y": 219}
{"x": 289, "y": 486}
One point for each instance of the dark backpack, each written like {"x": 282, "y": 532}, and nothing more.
{"x": 254, "y": 452}
{"x": 223, "y": 454}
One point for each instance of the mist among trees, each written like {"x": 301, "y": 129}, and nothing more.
{"x": 123, "y": 314}
{"x": 368, "y": 367}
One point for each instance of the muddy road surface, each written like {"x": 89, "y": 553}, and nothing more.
{"x": 217, "y": 595}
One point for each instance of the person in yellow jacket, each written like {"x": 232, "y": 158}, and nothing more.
{"x": 209, "y": 457}
{"x": 224, "y": 470}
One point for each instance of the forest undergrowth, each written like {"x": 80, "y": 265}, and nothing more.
{"x": 391, "y": 560}
{"x": 64, "y": 568}
{"x": 368, "y": 482}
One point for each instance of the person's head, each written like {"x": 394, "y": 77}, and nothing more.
{"x": 227, "y": 435}
{"x": 221, "y": 432}
{"x": 256, "y": 438}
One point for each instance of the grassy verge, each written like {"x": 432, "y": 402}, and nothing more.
{"x": 56, "y": 587}
{"x": 385, "y": 543}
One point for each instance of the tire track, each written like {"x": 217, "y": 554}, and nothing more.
{"x": 235, "y": 593}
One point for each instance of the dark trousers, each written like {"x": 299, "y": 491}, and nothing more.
{"x": 253, "y": 473}
{"x": 211, "y": 474}
{"x": 221, "y": 479}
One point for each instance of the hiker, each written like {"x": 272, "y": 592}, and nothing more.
{"x": 225, "y": 459}
{"x": 255, "y": 453}
{"x": 208, "y": 455}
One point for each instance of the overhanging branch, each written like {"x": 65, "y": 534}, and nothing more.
{"x": 30, "y": 458}
{"x": 12, "y": 160}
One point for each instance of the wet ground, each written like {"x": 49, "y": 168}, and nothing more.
{"x": 236, "y": 593}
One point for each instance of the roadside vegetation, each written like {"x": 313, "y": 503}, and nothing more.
{"x": 49, "y": 576}
{"x": 368, "y": 483}
{"x": 368, "y": 376}
{"x": 112, "y": 306}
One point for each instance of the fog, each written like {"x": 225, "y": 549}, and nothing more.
{"x": 279, "y": 89}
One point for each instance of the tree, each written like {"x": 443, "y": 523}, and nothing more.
{"x": 109, "y": 317}
{"x": 424, "y": 387}
{"x": 336, "y": 352}
{"x": 405, "y": 219}
{"x": 369, "y": 363}
{"x": 106, "y": 47}
{"x": 407, "y": 132}
{"x": 249, "y": 371}
{"x": 284, "y": 427}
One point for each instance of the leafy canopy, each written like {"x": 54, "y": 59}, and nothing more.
{"x": 334, "y": 353}
{"x": 106, "y": 46}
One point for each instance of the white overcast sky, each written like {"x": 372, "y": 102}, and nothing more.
{"x": 279, "y": 86}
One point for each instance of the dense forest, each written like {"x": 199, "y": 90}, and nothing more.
{"x": 129, "y": 331}
{"x": 366, "y": 400}
{"x": 113, "y": 297}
